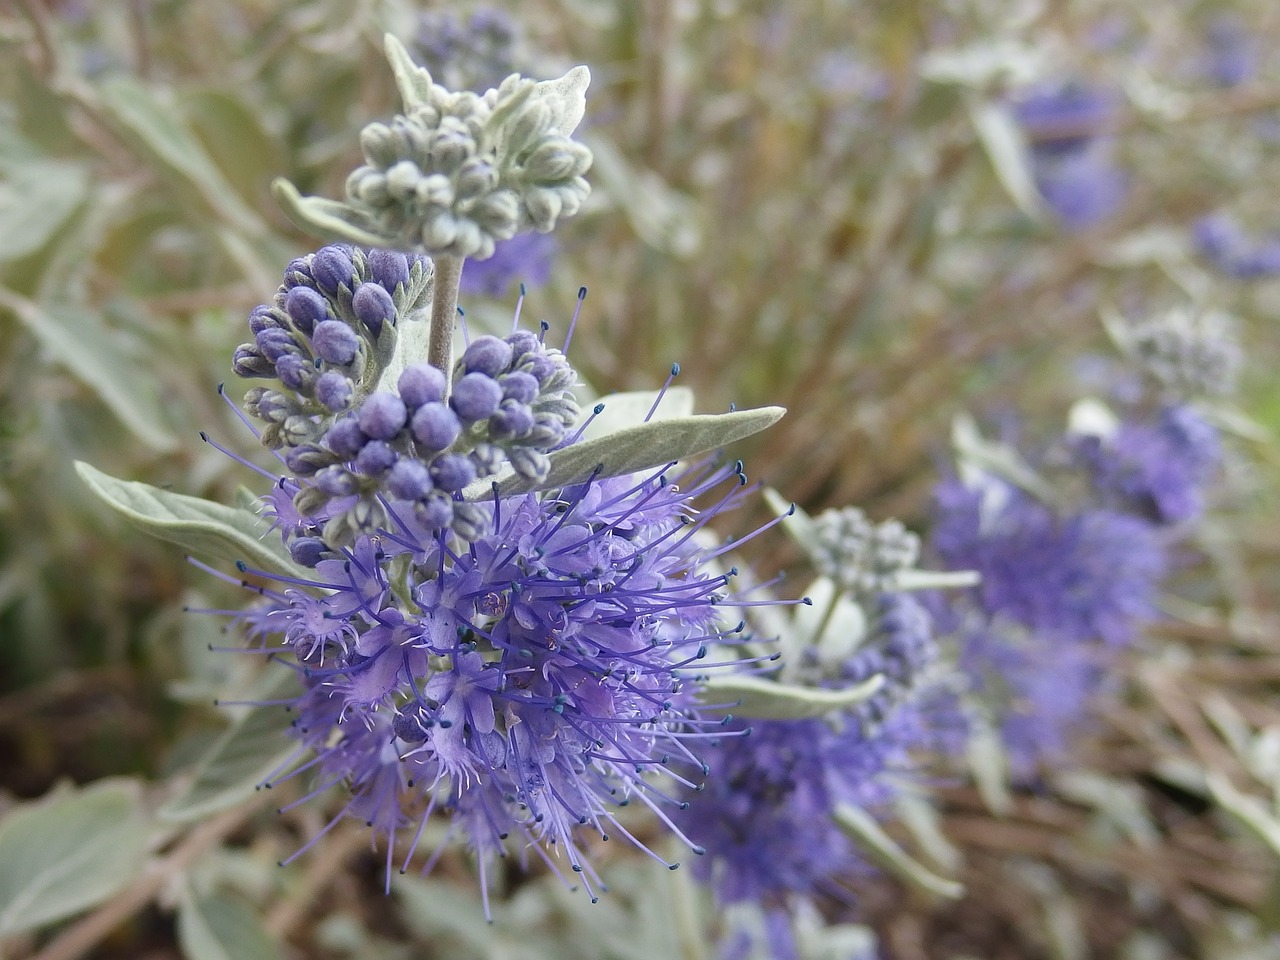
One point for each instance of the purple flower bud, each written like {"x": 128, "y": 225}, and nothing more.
{"x": 487, "y": 355}
{"x": 274, "y": 344}
{"x": 335, "y": 342}
{"x": 523, "y": 342}
{"x": 345, "y": 438}
{"x": 452, "y": 472}
{"x": 434, "y": 513}
{"x": 294, "y": 372}
{"x": 375, "y": 459}
{"x": 435, "y": 426}
{"x": 306, "y": 459}
{"x": 308, "y": 551}
{"x": 336, "y": 481}
{"x": 248, "y": 362}
{"x": 544, "y": 368}
{"x": 519, "y": 386}
{"x": 389, "y": 268}
{"x": 306, "y": 308}
{"x": 382, "y": 415}
{"x": 475, "y": 397}
{"x": 373, "y": 306}
{"x": 332, "y": 266}
{"x": 409, "y": 480}
{"x": 333, "y": 390}
{"x": 262, "y": 318}
{"x": 421, "y": 383}
{"x": 297, "y": 272}
{"x": 512, "y": 420}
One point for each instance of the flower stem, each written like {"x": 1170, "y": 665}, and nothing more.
{"x": 444, "y": 309}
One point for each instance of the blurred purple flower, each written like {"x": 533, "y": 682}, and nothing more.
{"x": 525, "y": 258}
{"x": 1220, "y": 240}
{"x": 1157, "y": 470}
{"x": 1068, "y": 127}
{"x": 1232, "y": 56}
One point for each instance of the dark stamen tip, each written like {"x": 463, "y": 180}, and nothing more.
{"x": 582, "y": 293}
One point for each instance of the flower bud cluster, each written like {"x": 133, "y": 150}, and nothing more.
{"x": 459, "y": 172}
{"x": 323, "y": 335}
{"x": 1189, "y": 352}
{"x": 900, "y": 648}
{"x": 860, "y": 555}
{"x": 412, "y": 450}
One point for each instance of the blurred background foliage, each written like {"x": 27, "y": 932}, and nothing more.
{"x": 856, "y": 210}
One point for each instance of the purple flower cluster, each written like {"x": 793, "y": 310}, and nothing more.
{"x": 1064, "y": 587}
{"x": 765, "y": 814}
{"x": 1072, "y": 152}
{"x": 525, "y": 683}
{"x": 322, "y": 335}
{"x": 1220, "y": 240}
{"x": 358, "y": 450}
{"x": 474, "y": 55}
{"x": 525, "y": 258}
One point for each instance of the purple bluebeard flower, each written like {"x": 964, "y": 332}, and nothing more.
{"x": 420, "y": 384}
{"x": 542, "y": 672}
{"x": 1157, "y": 470}
{"x": 526, "y": 258}
{"x": 764, "y": 815}
{"x": 475, "y": 397}
{"x": 1084, "y": 576}
{"x": 1220, "y": 240}
{"x": 476, "y": 55}
{"x": 1232, "y": 56}
{"x": 1071, "y": 151}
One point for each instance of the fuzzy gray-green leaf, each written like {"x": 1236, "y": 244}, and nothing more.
{"x": 646, "y": 446}
{"x": 334, "y": 220}
{"x": 36, "y": 199}
{"x": 222, "y": 927}
{"x": 211, "y": 530}
{"x": 766, "y": 700}
{"x": 863, "y": 829}
{"x": 68, "y": 853}
{"x": 246, "y": 753}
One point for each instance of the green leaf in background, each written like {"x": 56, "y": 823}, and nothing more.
{"x": 754, "y": 698}
{"x": 158, "y": 127}
{"x": 69, "y": 852}
{"x": 643, "y": 447}
{"x": 242, "y": 757}
{"x": 223, "y": 927}
{"x": 36, "y": 198}
{"x": 212, "y": 530}
{"x": 865, "y": 831}
{"x": 76, "y": 337}
{"x": 1007, "y": 152}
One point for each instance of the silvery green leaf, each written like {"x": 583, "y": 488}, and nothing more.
{"x": 863, "y": 829}
{"x": 998, "y": 459}
{"x": 157, "y": 126}
{"x": 1249, "y": 811}
{"x": 1116, "y": 801}
{"x": 1090, "y": 417}
{"x": 68, "y": 852}
{"x": 412, "y": 337}
{"x": 220, "y": 926}
{"x": 989, "y": 765}
{"x": 907, "y": 580}
{"x": 922, "y": 818}
{"x": 567, "y": 97}
{"x": 414, "y": 82}
{"x": 991, "y": 62}
{"x": 1007, "y": 150}
{"x": 661, "y": 216}
{"x": 642, "y": 447}
{"x": 622, "y": 410}
{"x": 247, "y": 752}
{"x": 843, "y": 629}
{"x": 797, "y": 523}
{"x": 36, "y": 199}
{"x": 209, "y": 529}
{"x": 329, "y": 218}
{"x": 754, "y": 698}
{"x": 76, "y": 337}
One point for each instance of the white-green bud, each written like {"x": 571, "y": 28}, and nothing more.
{"x": 459, "y": 172}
